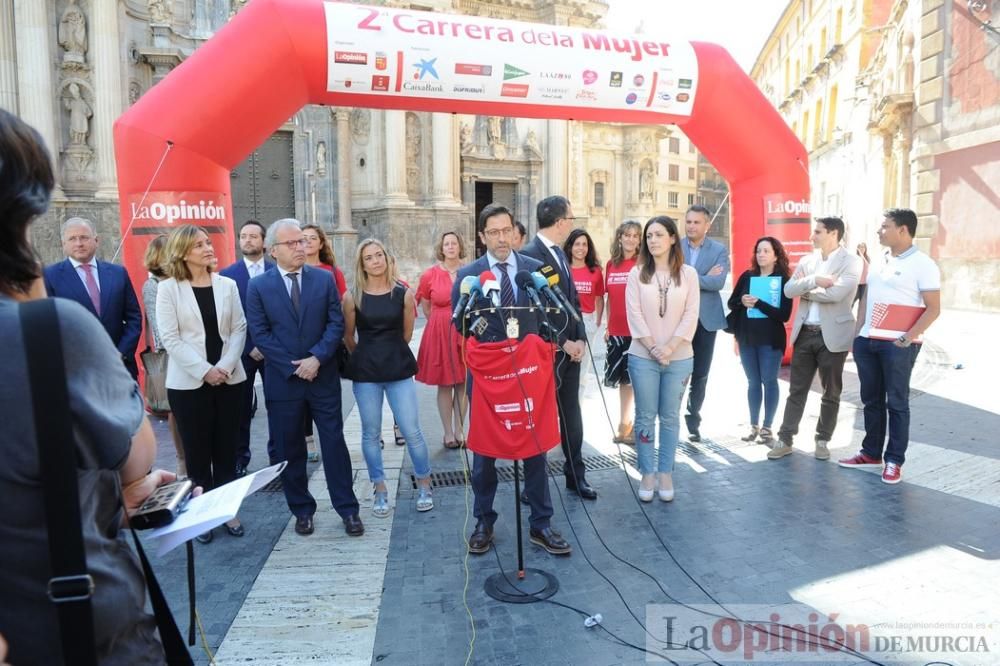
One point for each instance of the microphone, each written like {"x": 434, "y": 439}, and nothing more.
{"x": 491, "y": 288}
{"x": 542, "y": 285}
{"x": 475, "y": 290}
{"x": 524, "y": 282}
{"x": 553, "y": 279}
{"x": 465, "y": 289}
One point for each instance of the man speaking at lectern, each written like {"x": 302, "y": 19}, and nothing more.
{"x": 496, "y": 230}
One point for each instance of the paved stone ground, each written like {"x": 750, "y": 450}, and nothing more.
{"x": 748, "y": 530}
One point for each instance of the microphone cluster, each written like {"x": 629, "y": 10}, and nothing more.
{"x": 544, "y": 282}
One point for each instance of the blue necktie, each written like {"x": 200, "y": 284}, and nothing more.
{"x": 506, "y": 288}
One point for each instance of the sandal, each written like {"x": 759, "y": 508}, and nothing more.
{"x": 425, "y": 502}
{"x": 381, "y": 505}
{"x": 400, "y": 440}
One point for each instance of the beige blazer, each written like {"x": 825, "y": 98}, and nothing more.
{"x": 836, "y": 315}
{"x": 182, "y": 331}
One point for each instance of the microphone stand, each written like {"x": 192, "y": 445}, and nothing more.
{"x": 532, "y": 585}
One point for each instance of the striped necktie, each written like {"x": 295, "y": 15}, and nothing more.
{"x": 506, "y": 288}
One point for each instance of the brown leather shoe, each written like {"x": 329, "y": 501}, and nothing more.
{"x": 304, "y": 525}
{"x": 481, "y": 539}
{"x": 551, "y": 541}
{"x": 353, "y": 525}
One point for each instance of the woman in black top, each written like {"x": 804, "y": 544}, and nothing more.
{"x": 382, "y": 311}
{"x": 759, "y": 322}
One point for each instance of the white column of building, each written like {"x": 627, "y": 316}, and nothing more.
{"x": 34, "y": 70}
{"x": 8, "y": 58}
{"x": 343, "y": 170}
{"x": 445, "y": 158}
{"x": 106, "y": 60}
{"x": 395, "y": 157}
{"x": 555, "y": 153}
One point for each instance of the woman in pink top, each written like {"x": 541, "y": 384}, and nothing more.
{"x": 624, "y": 252}
{"x": 661, "y": 301}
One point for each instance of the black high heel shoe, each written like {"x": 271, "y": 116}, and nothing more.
{"x": 205, "y": 537}
{"x": 236, "y": 531}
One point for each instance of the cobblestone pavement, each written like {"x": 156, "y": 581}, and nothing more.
{"x": 742, "y": 530}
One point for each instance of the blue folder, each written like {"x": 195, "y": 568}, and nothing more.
{"x": 767, "y": 289}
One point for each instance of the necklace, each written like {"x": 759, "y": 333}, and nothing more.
{"x": 663, "y": 286}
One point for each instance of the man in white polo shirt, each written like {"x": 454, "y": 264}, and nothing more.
{"x": 884, "y": 360}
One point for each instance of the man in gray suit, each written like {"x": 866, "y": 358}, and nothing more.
{"x": 711, "y": 260}
{"x": 822, "y": 333}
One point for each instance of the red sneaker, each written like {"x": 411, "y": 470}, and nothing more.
{"x": 860, "y": 461}
{"x": 892, "y": 473}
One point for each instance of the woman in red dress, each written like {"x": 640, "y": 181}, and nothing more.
{"x": 624, "y": 251}
{"x": 439, "y": 361}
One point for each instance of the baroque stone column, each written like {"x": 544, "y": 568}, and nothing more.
{"x": 108, "y": 91}
{"x": 445, "y": 159}
{"x": 8, "y": 58}
{"x": 343, "y": 116}
{"x": 555, "y": 162}
{"x": 34, "y": 70}
{"x": 395, "y": 158}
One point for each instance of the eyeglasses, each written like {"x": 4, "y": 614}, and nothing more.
{"x": 292, "y": 244}
{"x": 494, "y": 234}
{"x": 571, "y": 219}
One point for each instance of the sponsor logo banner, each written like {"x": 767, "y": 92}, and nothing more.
{"x": 433, "y": 55}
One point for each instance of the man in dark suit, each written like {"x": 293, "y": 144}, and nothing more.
{"x": 294, "y": 315}
{"x": 101, "y": 287}
{"x": 252, "y": 264}
{"x": 711, "y": 260}
{"x": 555, "y": 221}
{"x": 496, "y": 230}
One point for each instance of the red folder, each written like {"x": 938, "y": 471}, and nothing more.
{"x": 890, "y": 321}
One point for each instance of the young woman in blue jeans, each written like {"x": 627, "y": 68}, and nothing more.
{"x": 382, "y": 312}
{"x": 761, "y": 340}
{"x": 661, "y": 301}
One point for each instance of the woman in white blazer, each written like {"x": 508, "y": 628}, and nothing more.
{"x": 203, "y": 329}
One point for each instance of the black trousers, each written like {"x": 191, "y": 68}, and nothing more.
{"x": 208, "y": 420}
{"x": 570, "y": 419}
{"x": 249, "y": 407}
{"x": 704, "y": 347}
{"x": 535, "y": 485}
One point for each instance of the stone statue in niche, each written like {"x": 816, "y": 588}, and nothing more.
{"x": 494, "y": 130}
{"x": 73, "y": 34}
{"x": 159, "y": 11}
{"x": 321, "y": 158}
{"x": 646, "y": 182}
{"x": 79, "y": 116}
{"x": 361, "y": 122}
{"x": 465, "y": 137}
{"x": 531, "y": 142}
{"x": 907, "y": 64}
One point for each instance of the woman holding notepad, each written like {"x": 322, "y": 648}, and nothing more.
{"x": 760, "y": 310}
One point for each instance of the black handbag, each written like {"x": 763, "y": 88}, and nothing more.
{"x": 71, "y": 586}
{"x": 343, "y": 358}
{"x": 732, "y": 322}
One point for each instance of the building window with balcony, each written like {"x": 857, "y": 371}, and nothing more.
{"x": 671, "y": 199}
{"x": 690, "y": 200}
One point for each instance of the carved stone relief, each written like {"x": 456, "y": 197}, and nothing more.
{"x": 159, "y": 11}
{"x": 361, "y": 123}
{"x": 321, "y": 159}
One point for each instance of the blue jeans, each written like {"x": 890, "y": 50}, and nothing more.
{"x": 403, "y": 402}
{"x": 658, "y": 393}
{"x": 884, "y": 370}
{"x": 760, "y": 364}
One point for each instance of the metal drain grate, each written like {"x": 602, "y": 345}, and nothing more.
{"x": 505, "y": 471}
{"x": 273, "y": 486}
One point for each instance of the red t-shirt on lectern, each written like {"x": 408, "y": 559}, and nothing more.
{"x": 513, "y": 412}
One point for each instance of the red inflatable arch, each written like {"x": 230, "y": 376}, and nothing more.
{"x": 176, "y": 146}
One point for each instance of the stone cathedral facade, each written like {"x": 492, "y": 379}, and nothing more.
{"x": 71, "y": 67}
